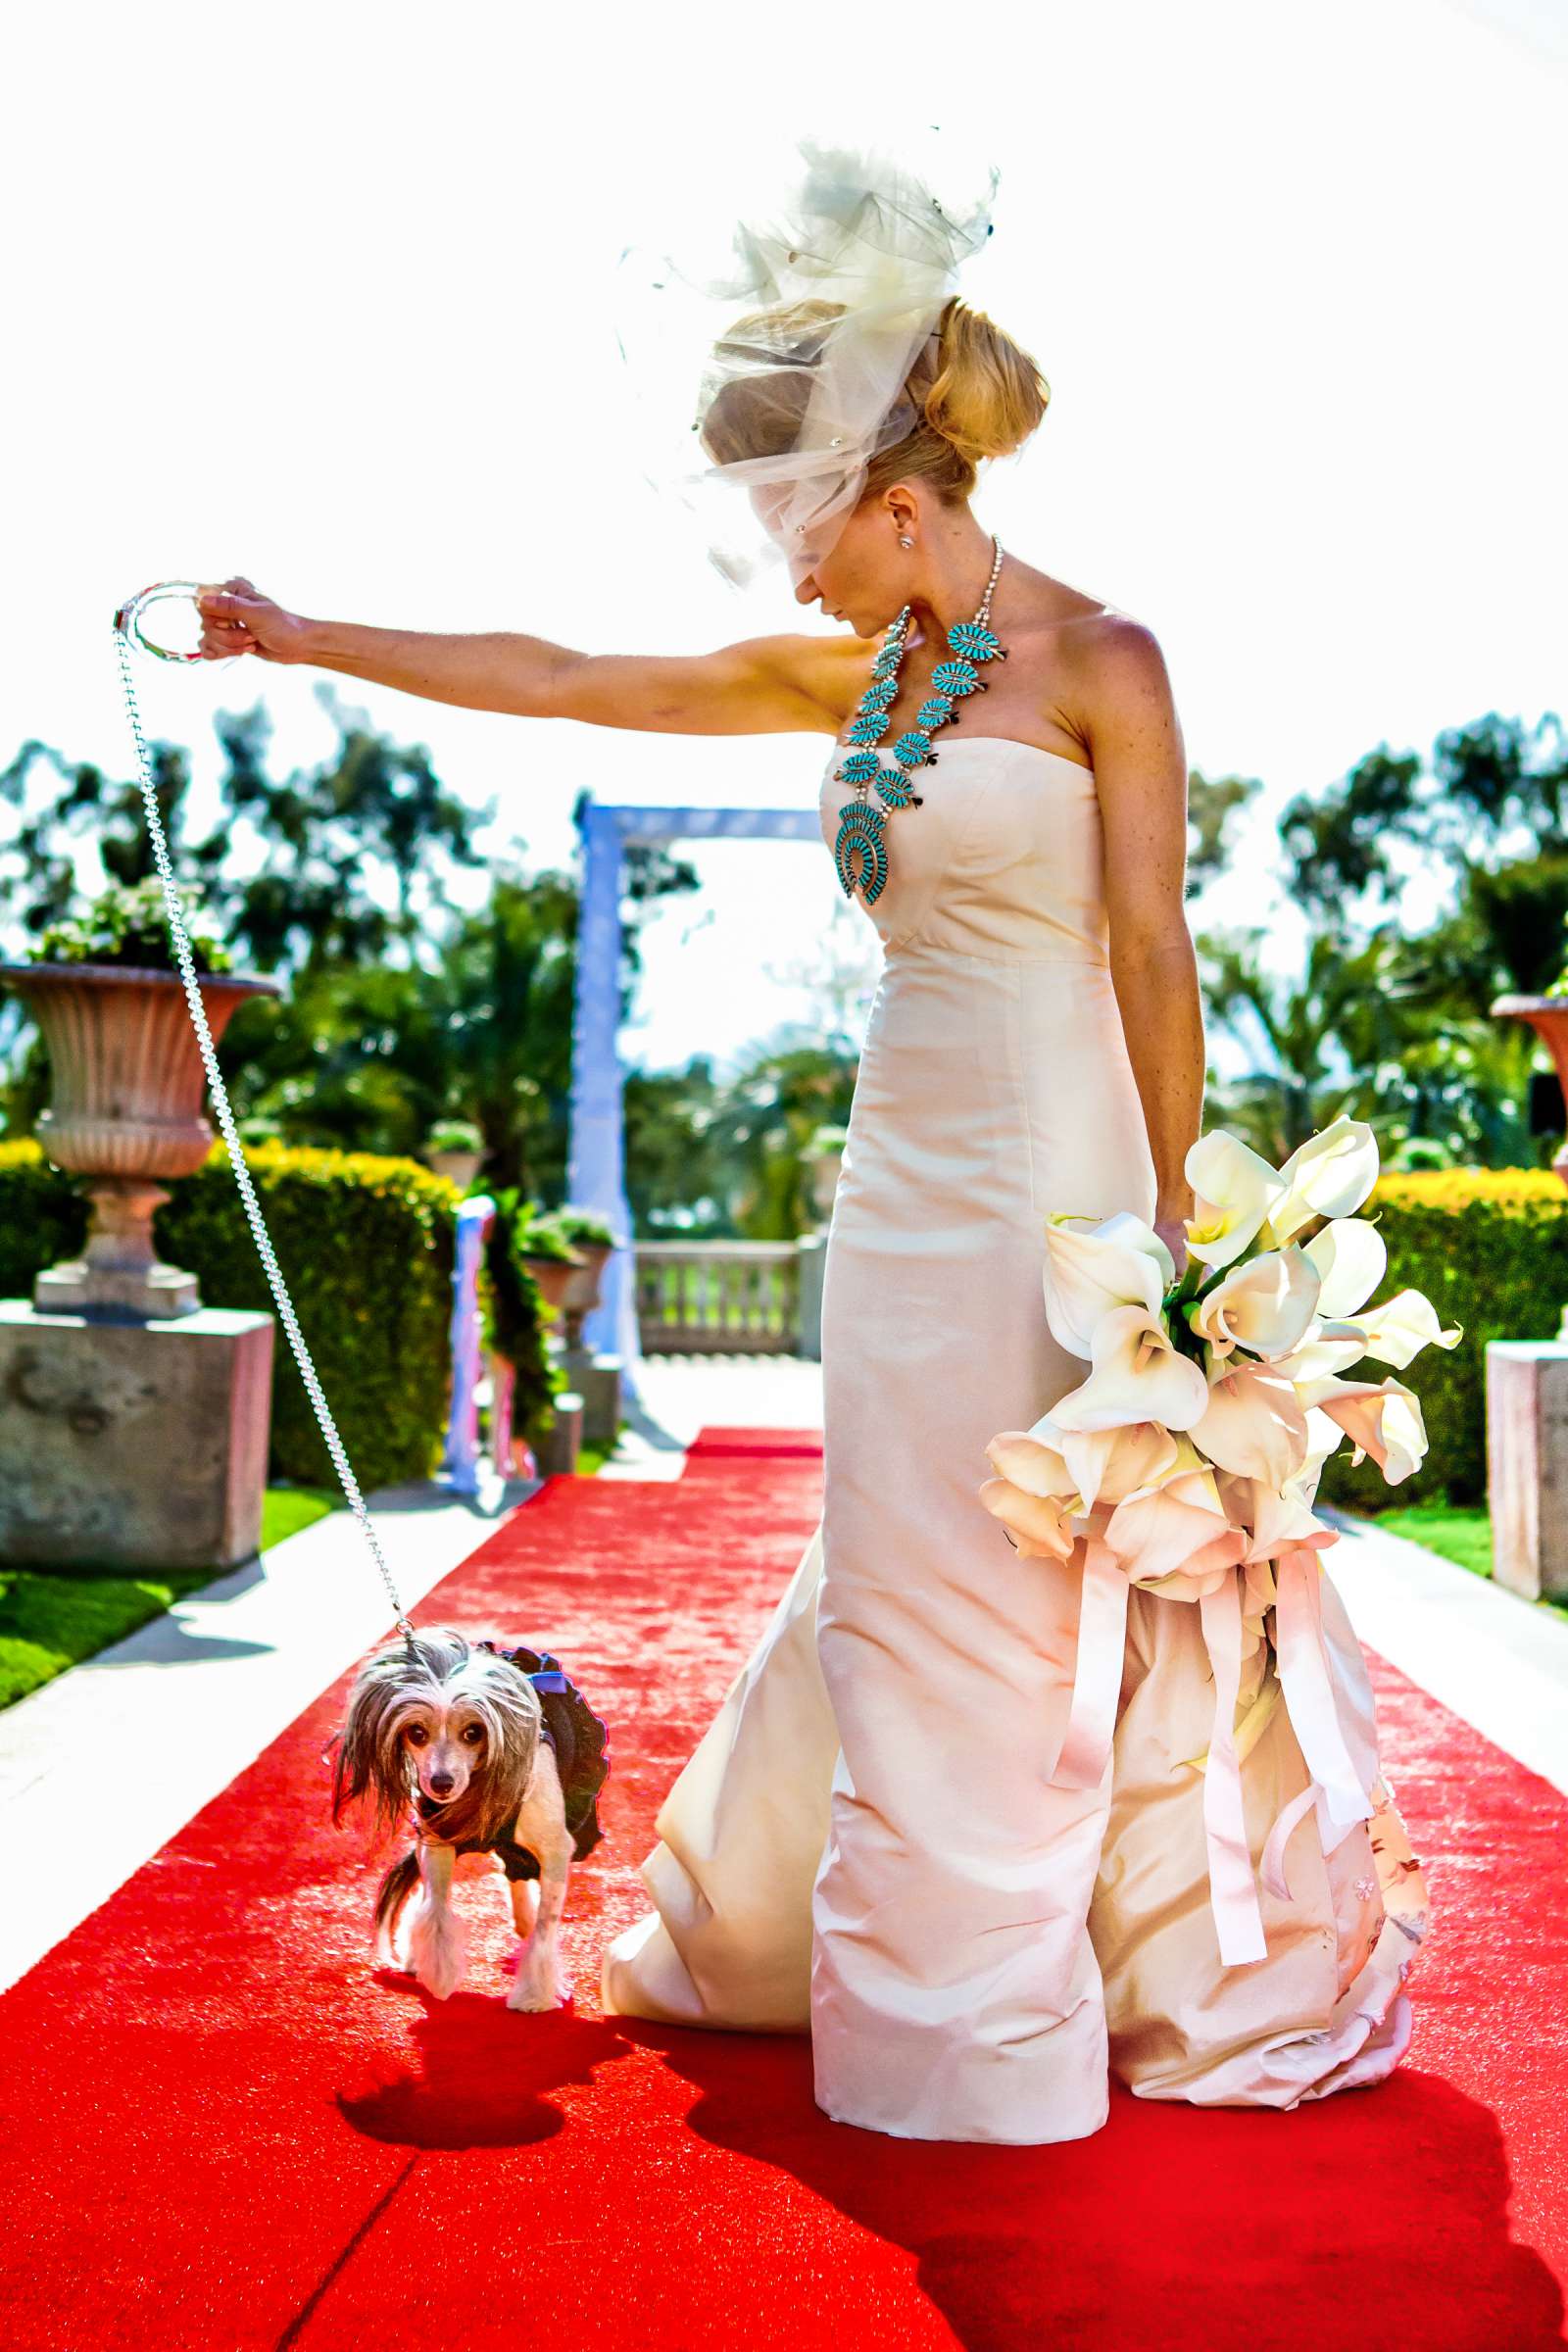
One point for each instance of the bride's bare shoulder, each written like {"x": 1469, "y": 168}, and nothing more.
{"x": 1106, "y": 660}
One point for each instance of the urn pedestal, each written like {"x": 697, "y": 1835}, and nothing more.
{"x": 134, "y": 1422}
{"x": 131, "y": 1445}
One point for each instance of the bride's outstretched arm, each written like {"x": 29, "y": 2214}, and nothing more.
{"x": 1140, "y": 765}
{"x": 760, "y": 686}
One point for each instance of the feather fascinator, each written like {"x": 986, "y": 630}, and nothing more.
{"x": 794, "y": 352}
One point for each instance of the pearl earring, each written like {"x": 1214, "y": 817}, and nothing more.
{"x": 905, "y": 542}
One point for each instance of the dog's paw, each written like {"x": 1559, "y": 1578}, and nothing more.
{"x": 438, "y": 1952}
{"x": 541, "y": 1980}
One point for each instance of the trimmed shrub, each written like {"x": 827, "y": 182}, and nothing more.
{"x": 1489, "y": 1249}
{"x": 366, "y": 1245}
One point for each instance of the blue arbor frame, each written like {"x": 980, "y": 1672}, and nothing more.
{"x": 596, "y": 1168}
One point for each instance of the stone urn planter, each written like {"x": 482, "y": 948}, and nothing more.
{"x": 554, "y": 1275}
{"x": 124, "y": 1112}
{"x": 1548, "y": 1017}
{"x": 581, "y": 1294}
{"x": 461, "y": 1166}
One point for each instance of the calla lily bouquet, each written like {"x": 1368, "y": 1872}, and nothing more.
{"x": 1187, "y": 1461}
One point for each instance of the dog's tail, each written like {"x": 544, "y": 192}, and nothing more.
{"x": 394, "y": 1891}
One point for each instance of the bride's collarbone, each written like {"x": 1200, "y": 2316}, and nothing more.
{"x": 982, "y": 717}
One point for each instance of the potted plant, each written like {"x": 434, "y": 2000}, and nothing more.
{"x": 128, "y": 1083}
{"x": 455, "y": 1148}
{"x": 595, "y": 1239}
{"x": 543, "y": 1247}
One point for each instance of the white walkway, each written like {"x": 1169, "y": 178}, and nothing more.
{"x": 137, "y": 1739}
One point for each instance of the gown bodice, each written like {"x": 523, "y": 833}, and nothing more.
{"x": 1003, "y": 859}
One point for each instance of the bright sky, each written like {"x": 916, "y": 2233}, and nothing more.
{"x": 322, "y": 296}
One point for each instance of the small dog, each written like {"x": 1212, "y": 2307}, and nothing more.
{"x": 493, "y": 1751}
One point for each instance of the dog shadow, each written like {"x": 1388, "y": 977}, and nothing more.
{"x": 1236, "y": 2229}
{"x": 485, "y": 2074}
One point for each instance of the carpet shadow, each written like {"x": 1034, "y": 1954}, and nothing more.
{"x": 485, "y": 2074}
{"x": 1377, "y": 2215}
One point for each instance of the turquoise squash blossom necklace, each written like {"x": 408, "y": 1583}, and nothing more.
{"x": 862, "y": 826}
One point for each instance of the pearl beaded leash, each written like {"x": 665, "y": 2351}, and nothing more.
{"x": 127, "y": 627}
{"x": 861, "y": 828}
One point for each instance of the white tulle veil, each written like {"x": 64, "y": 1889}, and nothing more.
{"x": 798, "y": 343}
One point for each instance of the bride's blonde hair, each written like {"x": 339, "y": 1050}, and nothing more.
{"x": 975, "y": 393}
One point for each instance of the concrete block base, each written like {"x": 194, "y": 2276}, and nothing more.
{"x": 596, "y": 1379}
{"x": 130, "y": 1445}
{"x": 556, "y": 1452}
{"x": 1527, "y": 1464}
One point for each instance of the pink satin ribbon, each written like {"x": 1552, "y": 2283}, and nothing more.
{"x": 1232, "y": 1893}
{"x": 1306, "y": 1683}
{"x": 1096, "y": 1675}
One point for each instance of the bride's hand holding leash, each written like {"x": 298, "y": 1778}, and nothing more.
{"x": 237, "y": 619}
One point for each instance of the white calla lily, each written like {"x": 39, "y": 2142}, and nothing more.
{"x": 1091, "y": 1266}
{"x": 1328, "y": 1347}
{"x": 1234, "y": 1189}
{"x": 1381, "y": 1419}
{"x": 1264, "y": 1305}
{"x": 1255, "y": 1424}
{"x": 1351, "y": 1258}
{"x": 1137, "y": 1375}
{"x": 1398, "y": 1329}
{"x": 1330, "y": 1175}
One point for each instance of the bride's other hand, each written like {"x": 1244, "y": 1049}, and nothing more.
{"x": 237, "y": 619}
{"x": 1172, "y": 1231}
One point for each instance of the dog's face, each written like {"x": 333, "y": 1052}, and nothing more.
{"x": 451, "y": 1720}
{"x": 446, "y": 1731}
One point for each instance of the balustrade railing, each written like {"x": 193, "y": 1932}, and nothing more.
{"x": 717, "y": 1298}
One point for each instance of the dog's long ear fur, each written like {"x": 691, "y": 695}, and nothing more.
{"x": 370, "y": 1760}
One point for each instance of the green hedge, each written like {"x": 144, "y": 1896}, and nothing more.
{"x": 1489, "y": 1249}
{"x": 365, "y": 1245}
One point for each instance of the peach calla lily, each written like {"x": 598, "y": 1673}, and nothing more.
{"x": 1382, "y": 1418}
{"x": 1043, "y": 1527}
{"x": 1254, "y": 1424}
{"x": 1176, "y": 1529}
{"x": 1109, "y": 1464}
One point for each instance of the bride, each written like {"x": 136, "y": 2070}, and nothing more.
{"x": 866, "y": 1844}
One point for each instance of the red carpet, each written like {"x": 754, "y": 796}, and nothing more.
{"x": 223, "y": 2130}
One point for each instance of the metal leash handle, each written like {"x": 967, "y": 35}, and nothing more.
{"x": 127, "y": 620}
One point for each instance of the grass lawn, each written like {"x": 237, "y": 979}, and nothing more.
{"x": 1459, "y": 1533}
{"x": 51, "y": 1621}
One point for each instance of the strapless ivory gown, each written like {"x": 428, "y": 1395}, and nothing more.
{"x": 864, "y": 1845}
